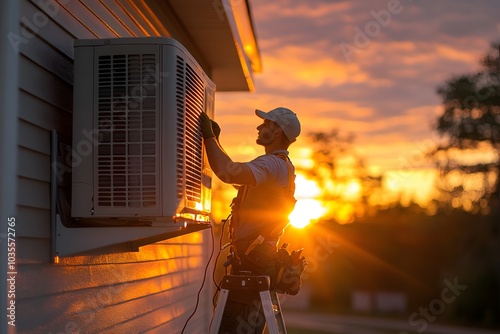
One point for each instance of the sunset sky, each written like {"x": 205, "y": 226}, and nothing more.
{"x": 366, "y": 67}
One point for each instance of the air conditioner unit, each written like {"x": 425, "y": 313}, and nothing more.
{"x": 137, "y": 143}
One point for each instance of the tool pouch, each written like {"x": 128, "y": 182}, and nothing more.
{"x": 288, "y": 271}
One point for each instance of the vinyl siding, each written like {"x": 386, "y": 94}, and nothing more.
{"x": 150, "y": 291}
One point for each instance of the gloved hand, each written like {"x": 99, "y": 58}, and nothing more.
{"x": 209, "y": 128}
{"x": 206, "y": 126}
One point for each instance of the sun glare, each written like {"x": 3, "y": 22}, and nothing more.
{"x": 307, "y": 208}
{"x": 352, "y": 190}
{"x": 306, "y": 211}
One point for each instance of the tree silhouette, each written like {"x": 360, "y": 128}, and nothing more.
{"x": 471, "y": 121}
{"x": 336, "y": 167}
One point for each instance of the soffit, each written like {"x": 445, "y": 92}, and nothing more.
{"x": 207, "y": 29}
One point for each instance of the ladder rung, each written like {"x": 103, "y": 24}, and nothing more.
{"x": 258, "y": 283}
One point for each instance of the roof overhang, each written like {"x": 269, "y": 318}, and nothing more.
{"x": 219, "y": 34}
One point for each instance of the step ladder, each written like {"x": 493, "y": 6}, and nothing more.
{"x": 269, "y": 301}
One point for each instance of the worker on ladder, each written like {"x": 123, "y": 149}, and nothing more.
{"x": 260, "y": 210}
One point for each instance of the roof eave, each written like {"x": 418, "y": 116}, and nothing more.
{"x": 219, "y": 34}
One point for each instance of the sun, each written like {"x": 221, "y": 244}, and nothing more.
{"x": 308, "y": 208}
{"x": 306, "y": 211}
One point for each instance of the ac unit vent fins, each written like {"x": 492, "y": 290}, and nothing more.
{"x": 127, "y": 122}
{"x": 179, "y": 100}
{"x": 190, "y": 96}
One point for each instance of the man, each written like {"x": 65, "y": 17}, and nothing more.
{"x": 260, "y": 210}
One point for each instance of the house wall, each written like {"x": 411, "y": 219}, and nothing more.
{"x": 150, "y": 291}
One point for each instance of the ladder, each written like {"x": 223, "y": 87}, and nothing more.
{"x": 269, "y": 301}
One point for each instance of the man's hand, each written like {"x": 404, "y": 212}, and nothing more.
{"x": 206, "y": 126}
{"x": 209, "y": 127}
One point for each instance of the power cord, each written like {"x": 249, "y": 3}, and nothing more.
{"x": 204, "y": 278}
{"x": 221, "y": 248}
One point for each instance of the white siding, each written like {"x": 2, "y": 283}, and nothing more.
{"x": 150, "y": 291}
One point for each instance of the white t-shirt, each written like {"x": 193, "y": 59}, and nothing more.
{"x": 270, "y": 168}
{"x": 264, "y": 205}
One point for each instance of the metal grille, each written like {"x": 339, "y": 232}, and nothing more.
{"x": 190, "y": 95}
{"x": 128, "y": 135}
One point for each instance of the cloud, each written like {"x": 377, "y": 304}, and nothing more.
{"x": 292, "y": 67}
{"x": 381, "y": 141}
{"x": 312, "y": 10}
{"x": 386, "y": 95}
{"x": 236, "y": 112}
{"x": 393, "y": 75}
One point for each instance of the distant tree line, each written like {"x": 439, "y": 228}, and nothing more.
{"x": 470, "y": 124}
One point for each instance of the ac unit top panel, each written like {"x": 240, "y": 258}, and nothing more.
{"x": 128, "y": 41}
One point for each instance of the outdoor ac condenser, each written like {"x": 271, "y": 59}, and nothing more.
{"x": 137, "y": 144}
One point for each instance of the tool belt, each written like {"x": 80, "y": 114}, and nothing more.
{"x": 289, "y": 269}
{"x": 283, "y": 268}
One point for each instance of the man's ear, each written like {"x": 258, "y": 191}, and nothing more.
{"x": 278, "y": 132}
{"x": 285, "y": 140}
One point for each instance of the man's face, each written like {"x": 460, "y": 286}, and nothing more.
{"x": 267, "y": 132}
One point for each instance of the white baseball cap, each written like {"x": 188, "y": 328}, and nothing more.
{"x": 286, "y": 119}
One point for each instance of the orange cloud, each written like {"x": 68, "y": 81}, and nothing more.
{"x": 292, "y": 67}
{"x": 454, "y": 53}
{"x": 384, "y": 142}
{"x": 270, "y": 9}
{"x": 410, "y": 58}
